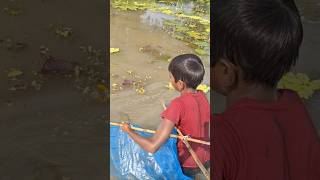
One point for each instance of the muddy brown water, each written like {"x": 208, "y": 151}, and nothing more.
{"x": 57, "y": 132}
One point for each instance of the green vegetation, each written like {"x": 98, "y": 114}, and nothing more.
{"x": 300, "y": 83}
{"x": 191, "y": 27}
{"x": 62, "y": 31}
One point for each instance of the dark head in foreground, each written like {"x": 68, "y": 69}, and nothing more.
{"x": 255, "y": 42}
{"x": 186, "y": 71}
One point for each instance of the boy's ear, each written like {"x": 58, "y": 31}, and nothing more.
{"x": 230, "y": 73}
{"x": 181, "y": 84}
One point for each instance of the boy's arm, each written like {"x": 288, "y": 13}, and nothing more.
{"x": 151, "y": 144}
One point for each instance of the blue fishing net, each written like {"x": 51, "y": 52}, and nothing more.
{"x": 129, "y": 161}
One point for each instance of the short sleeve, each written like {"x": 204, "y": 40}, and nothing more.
{"x": 173, "y": 112}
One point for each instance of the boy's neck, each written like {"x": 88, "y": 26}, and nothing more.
{"x": 188, "y": 90}
{"x": 253, "y": 91}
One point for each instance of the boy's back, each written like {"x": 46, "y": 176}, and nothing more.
{"x": 255, "y": 140}
{"x": 190, "y": 112}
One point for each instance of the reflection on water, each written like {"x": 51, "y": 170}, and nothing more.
{"x": 155, "y": 18}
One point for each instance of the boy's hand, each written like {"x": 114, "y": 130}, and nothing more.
{"x": 126, "y": 127}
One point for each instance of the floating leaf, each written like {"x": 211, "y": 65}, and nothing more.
{"x": 194, "y": 34}
{"x": 178, "y": 37}
{"x": 302, "y": 77}
{"x": 300, "y": 83}
{"x": 129, "y": 72}
{"x": 200, "y": 51}
{"x": 102, "y": 88}
{"x": 169, "y": 86}
{"x": 12, "y": 11}
{"x": 63, "y": 31}
{"x": 14, "y": 73}
{"x": 167, "y": 11}
{"x": 315, "y": 84}
{"x": 203, "y": 88}
{"x": 140, "y": 90}
{"x": 148, "y": 77}
{"x": 182, "y": 29}
{"x": 114, "y": 50}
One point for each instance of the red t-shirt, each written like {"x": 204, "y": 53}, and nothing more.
{"x": 255, "y": 140}
{"x": 190, "y": 112}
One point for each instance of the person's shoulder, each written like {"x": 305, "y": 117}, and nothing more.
{"x": 201, "y": 93}
{"x": 176, "y": 102}
{"x": 290, "y": 94}
{"x": 291, "y": 98}
{"x": 177, "y": 99}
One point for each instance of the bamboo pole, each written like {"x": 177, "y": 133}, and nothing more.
{"x": 171, "y": 135}
{"x": 193, "y": 154}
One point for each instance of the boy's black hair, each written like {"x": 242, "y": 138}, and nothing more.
{"x": 187, "y": 68}
{"x": 261, "y": 36}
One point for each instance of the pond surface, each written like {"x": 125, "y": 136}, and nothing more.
{"x": 130, "y": 31}
{"x": 56, "y": 132}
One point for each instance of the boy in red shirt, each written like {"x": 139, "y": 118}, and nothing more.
{"x": 264, "y": 133}
{"x": 190, "y": 113}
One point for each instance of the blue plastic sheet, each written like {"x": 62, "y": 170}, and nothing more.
{"x": 129, "y": 161}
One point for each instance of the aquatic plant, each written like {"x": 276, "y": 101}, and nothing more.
{"x": 300, "y": 83}
{"x": 92, "y": 54}
{"x": 191, "y": 27}
{"x": 62, "y": 31}
{"x": 13, "y": 73}
{"x": 134, "y": 81}
{"x": 12, "y": 11}
{"x": 114, "y": 50}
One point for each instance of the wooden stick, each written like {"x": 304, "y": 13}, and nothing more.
{"x": 171, "y": 135}
{"x": 193, "y": 154}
